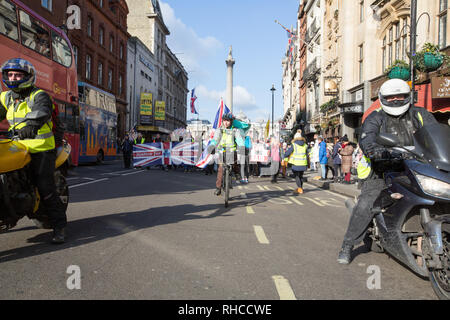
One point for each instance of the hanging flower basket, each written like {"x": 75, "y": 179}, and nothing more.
{"x": 399, "y": 73}
{"x": 432, "y": 61}
{"x": 430, "y": 58}
{"x": 399, "y": 69}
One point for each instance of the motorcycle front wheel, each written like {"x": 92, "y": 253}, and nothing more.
{"x": 440, "y": 279}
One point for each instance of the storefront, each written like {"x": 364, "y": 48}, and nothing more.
{"x": 434, "y": 96}
{"x": 352, "y": 113}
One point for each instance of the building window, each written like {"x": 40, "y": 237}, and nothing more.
{"x": 88, "y": 66}
{"x": 404, "y": 35}
{"x": 397, "y": 41}
{"x": 111, "y": 44}
{"x": 101, "y": 36}
{"x": 47, "y": 4}
{"x": 384, "y": 54}
{"x": 100, "y": 73}
{"x": 100, "y": 3}
{"x": 120, "y": 84}
{"x": 110, "y": 79}
{"x": 121, "y": 51}
{"x": 390, "y": 44}
{"x": 442, "y": 35}
{"x": 361, "y": 11}
{"x": 361, "y": 63}
{"x": 89, "y": 27}
{"x": 75, "y": 54}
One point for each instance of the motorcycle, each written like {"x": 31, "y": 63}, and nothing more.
{"x": 412, "y": 215}
{"x": 18, "y": 195}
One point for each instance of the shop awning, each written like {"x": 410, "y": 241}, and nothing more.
{"x": 153, "y": 129}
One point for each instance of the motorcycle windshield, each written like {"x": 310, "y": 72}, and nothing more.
{"x": 433, "y": 142}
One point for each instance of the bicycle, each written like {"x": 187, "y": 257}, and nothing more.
{"x": 226, "y": 181}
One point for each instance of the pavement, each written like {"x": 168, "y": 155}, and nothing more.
{"x": 350, "y": 190}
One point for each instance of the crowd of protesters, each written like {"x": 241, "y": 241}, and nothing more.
{"x": 333, "y": 158}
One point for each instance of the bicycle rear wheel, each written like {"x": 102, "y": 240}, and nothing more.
{"x": 227, "y": 185}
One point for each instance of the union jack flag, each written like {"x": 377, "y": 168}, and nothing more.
{"x": 205, "y": 157}
{"x": 184, "y": 152}
{"x": 152, "y": 154}
{"x": 193, "y": 98}
{"x": 148, "y": 154}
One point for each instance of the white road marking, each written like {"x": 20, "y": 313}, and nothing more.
{"x": 127, "y": 174}
{"x": 260, "y": 235}
{"x": 86, "y": 183}
{"x": 284, "y": 288}
{"x": 250, "y": 210}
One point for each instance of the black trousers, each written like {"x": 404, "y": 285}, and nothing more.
{"x": 298, "y": 178}
{"x": 127, "y": 160}
{"x": 362, "y": 215}
{"x": 43, "y": 168}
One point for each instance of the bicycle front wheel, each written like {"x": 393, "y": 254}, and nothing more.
{"x": 227, "y": 186}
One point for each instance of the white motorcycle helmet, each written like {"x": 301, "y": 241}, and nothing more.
{"x": 395, "y": 87}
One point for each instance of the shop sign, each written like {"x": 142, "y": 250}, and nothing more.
{"x": 352, "y": 108}
{"x": 331, "y": 88}
{"x": 440, "y": 87}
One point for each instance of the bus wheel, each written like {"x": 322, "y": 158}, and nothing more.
{"x": 100, "y": 157}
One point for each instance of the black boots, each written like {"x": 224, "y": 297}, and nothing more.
{"x": 344, "y": 256}
{"x": 59, "y": 235}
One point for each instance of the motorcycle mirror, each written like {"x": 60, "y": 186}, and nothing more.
{"x": 388, "y": 140}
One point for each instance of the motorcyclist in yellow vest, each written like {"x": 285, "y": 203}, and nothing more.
{"x": 19, "y": 76}
{"x": 398, "y": 116}
{"x": 297, "y": 156}
{"x": 227, "y": 140}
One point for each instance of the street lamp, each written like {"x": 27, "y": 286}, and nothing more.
{"x": 272, "y": 89}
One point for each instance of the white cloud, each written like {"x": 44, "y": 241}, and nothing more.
{"x": 241, "y": 97}
{"x": 191, "y": 47}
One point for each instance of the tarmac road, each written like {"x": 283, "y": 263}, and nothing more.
{"x": 151, "y": 234}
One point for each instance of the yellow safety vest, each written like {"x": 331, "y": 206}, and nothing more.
{"x": 142, "y": 141}
{"x": 44, "y": 139}
{"x": 227, "y": 142}
{"x": 364, "y": 167}
{"x": 298, "y": 157}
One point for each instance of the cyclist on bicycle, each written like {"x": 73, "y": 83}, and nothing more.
{"x": 227, "y": 140}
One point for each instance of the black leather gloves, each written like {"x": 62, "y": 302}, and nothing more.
{"x": 28, "y": 132}
{"x": 379, "y": 153}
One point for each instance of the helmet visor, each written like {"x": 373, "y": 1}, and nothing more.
{"x": 394, "y": 101}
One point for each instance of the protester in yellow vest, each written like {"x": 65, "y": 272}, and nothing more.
{"x": 297, "y": 156}
{"x": 140, "y": 139}
{"x": 23, "y": 97}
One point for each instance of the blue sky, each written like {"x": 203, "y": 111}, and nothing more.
{"x": 201, "y": 34}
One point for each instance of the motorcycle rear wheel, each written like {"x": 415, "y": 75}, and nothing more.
{"x": 440, "y": 279}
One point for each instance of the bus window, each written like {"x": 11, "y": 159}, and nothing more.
{"x": 8, "y": 21}
{"x": 61, "y": 50}
{"x": 34, "y": 34}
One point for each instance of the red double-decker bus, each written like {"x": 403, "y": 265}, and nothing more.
{"x": 25, "y": 34}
